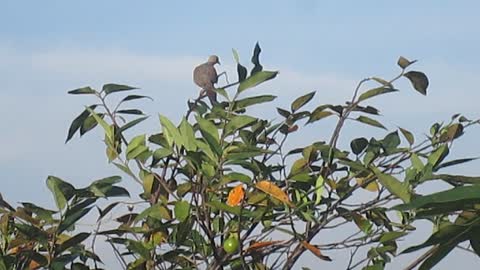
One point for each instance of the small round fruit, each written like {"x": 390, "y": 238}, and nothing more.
{"x": 231, "y": 245}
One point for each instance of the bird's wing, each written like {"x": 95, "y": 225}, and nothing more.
{"x": 205, "y": 76}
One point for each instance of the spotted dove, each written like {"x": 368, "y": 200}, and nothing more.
{"x": 205, "y": 76}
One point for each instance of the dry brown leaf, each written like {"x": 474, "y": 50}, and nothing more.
{"x": 259, "y": 245}
{"x": 274, "y": 191}
{"x": 315, "y": 251}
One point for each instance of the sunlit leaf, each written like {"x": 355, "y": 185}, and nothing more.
{"x": 256, "y": 79}
{"x": 274, "y": 191}
{"x": 236, "y": 195}
{"x": 182, "y": 210}
{"x": 393, "y": 185}
{"x": 375, "y": 92}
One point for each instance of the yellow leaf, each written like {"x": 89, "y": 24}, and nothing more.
{"x": 235, "y": 196}
{"x": 372, "y": 186}
{"x": 315, "y": 251}
{"x": 274, "y": 191}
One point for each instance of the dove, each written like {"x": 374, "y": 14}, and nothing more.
{"x": 205, "y": 76}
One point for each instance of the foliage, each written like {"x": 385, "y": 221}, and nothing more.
{"x": 220, "y": 189}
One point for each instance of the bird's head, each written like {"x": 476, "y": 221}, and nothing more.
{"x": 213, "y": 59}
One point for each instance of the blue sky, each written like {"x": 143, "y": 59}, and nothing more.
{"x": 50, "y": 47}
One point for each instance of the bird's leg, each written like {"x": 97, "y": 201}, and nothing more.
{"x": 226, "y": 76}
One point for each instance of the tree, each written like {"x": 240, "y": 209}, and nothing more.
{"x": 221, "y": 186}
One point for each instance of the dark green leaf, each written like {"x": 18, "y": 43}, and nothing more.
{"x": 419, "y": 81}
{"x": 132, "y": 123}
{"x": 408, "y": 135}
{"x": 255, "y": 60}
{"x": 455, "y": 162}
{"x": 283, "y": 112}
{"x": 73, "y": 241}
{"x": 130, "y": 111}
{"x": 358, "y": 145}
{"x": 61, "y": 190}
{"x": 256, "y": 79}
{"x": 78, "y": 122}
{"x": 70, "y": 218}
{"x": 182, "y": 210}
{"x": 133, "y": 97}
{"x": 370, "y": 121}
{"x": 83, "y": 90}
{"x": 243, "y": 103}
{"x": 301, "y": 101}
{"x": 437, "y": 156}
{"x": 436, "y": 256}
{"x": 112, "y": 87}
{"x": 444, "y": 197}
{"x": 89, "y": 124}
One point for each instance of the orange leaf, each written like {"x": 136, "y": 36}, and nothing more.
{"x": 235, "y": 196}
{"x": 271, "y": 189}
{"x": 315, "y": 251}
{"x": 259, "y": 245}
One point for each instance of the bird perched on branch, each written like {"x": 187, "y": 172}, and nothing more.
{"x": 205, "y": 76}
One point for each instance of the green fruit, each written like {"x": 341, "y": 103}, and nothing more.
{"x": 231, "y": 245}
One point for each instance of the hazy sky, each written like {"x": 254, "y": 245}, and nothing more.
{"x": 50, "y": 47}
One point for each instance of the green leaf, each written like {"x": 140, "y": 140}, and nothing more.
{"x": 243, "y": 103}
{"x": 370, "y": 121}
{"x": 61, "y": 190}
{"x": 375, "y": 92}
{"x": 362, "y": 223}
{"x": 71, "y": 242}
{"x": 408, "y": 135}
{"x": 462, "y": 193}
{"x": 419, "y": 81}
{"x": 82, "y": 91}
{"x": 283, "y": 112}
{"x": 446, "y": 235}
{"x": 301, "y": 101}
{"x": 132, "y": 123}
{"x": 188, "y": 135}
{"x": 130, "y": 111}
{"x": 182, "y": 210}
{"x": 78, "y": 122}
{"x": 358, "y": 145}
{"x": 255, "y": 60}
{"x": 455, "y": 179}
{"x": 393, "y": 185}
{"x": 437, "y": 156}
{"x": 319, "y": 187}
{"x": 256, "y": 79}
{"x": 71, "y": 217}
{"x": 171, "y": 133}
{"x": 455, "y": 162}
{"x": 390, "y": 236}
{"x": 238, "y": 122}
{"x": 134, "y": 97}
{"x": 106, "y": 127}
{"x": 89, "y": 124}
{"x": 136, "y": 142}
{"x": 210, "y": 133}
{"x": 436, "y": 256}
{"x": 112, "y": 88}
{"x": 161, "y": 153}
{"x": 318, "y": 114}
{"x": 221, "y": 206}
